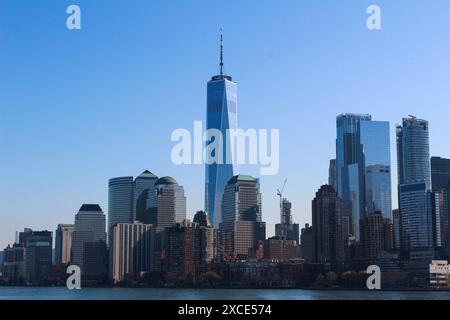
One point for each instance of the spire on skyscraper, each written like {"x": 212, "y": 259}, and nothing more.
{"x": 221, "y": 51}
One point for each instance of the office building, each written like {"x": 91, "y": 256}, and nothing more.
{"x": 327, "y": 226}
{"x": 332, "y": 174}
{"x": 440, "y": 173}
{"x": 63, "y": 243}
{"x": 167, "y": 204}
{"x": 378, "y": 190}
{"x": 413, "y": 152}
{"x": 396, "y": 233}
{"x": 361, "y": 146}
{"x": 419, "y": 216}
{"x": 133, "y": 250}
{"x": 376, "y": 235}
{"x": 38, "y": 257}
{"x": 307, "y": 244}
{"x": 221, "y": 115}
{"x": 89, "y": 250}
{"x": 13, "y": 264}
{"x": 445, "y": 219}
{"x": 143, "y": 185}
{"x": 205, "y": 242}
{"x": 242, "y": 227}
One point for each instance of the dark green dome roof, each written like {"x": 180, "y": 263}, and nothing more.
{"x": 147, "y": 175}
{"x": 166, "y": 181}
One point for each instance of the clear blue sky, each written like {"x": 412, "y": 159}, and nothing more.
{"x": 80, "y": 107}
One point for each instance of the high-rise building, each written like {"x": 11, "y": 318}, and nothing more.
{"x": 419, "y": 207}
{"x": 419, "y": 216}
{"x": 440, "y": 173}
{"x": 307, "y": 244}
{"x": 286, "y": 228}
{"x": 205, "y": 241}
{"x": 23, "y": 236}
{"x": 413, "y": 152}
{"x": 120, "y": 205}
{"x": 242, "y": 227}
{"x": 445, "y": 214}
{"x": 89, "y": 250}
{"x": 221, "y": 115}
{"x": 38, "y": 257}
{"x": 378, "y": 190}
{"x": 332, "y": 174}
{"x": 327, "y": 226}
{"x": 376, "y": 235}
{"x": 396, "y": 228}
{"x": 13, "y": 264}
{"x": 361, "y": 146}
{"x": 133, "y": 250}
{"x": 63, "y": 243}
{"x": 143, "y": 186}
{"x": 167, "y": 204}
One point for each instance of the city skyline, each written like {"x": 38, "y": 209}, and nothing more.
{"x": 69, "y": 149}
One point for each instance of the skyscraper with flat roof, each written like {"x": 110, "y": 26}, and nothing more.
{"x": 38, "y": 257}
{"x": 133, "y": 249}
{"x": 221, "y": 115}
{"x": 361, "y": 146}
{"x": 440, "y": 173}
{"x": 89, "y": 250}
{"x": 63, "y": 243}
{"x": 327, "y": 226}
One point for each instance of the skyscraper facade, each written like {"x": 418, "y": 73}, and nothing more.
{"x": 440, "y": 173}
{"x": 89, "y": 250}
{"x": 13, "y": 264}
{"x": 307, "y": 244}
{"x": 120, "y": 204}
{"x": 419, "y": 212}
{"x": 143, "y": 185}
{"x": 378, "y": 190}
{"x": 445, "y": 214}
{"x": 133, "y": 250}
{"x": 38, "y": 257}
{"x": 63, "y": 243}
{"x": 327, "y": 226}
{"x": 221, "y": 115}
{"x": 413, "y": 152}
{"x": 363, "y": 148}
{"x": 376, "y": 235}
{"x": 167, "y": 204}
{"x": 332, "y": 174}
{"x": 241, "y": 228}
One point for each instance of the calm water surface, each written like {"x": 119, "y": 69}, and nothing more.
{"x": 19, "y": 293}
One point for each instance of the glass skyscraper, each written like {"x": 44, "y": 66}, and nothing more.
{"x": 361, "y": 146}
{"x": 221, "y": 115}
{"x": 376, "y": 154}
{"x": 419, "y": 207}
{"x": 413, "y": 152}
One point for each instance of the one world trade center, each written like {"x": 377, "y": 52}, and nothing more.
{"x": 221, "y": 115}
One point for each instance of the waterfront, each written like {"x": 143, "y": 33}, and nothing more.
{"x": 61, "y": 293}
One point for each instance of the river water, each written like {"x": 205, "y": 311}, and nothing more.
{"x": 61, "y": 293}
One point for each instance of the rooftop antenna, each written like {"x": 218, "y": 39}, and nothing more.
{"x": 221, "y": 51}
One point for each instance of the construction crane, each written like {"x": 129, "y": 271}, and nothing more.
{"x": 280, "y": 194}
